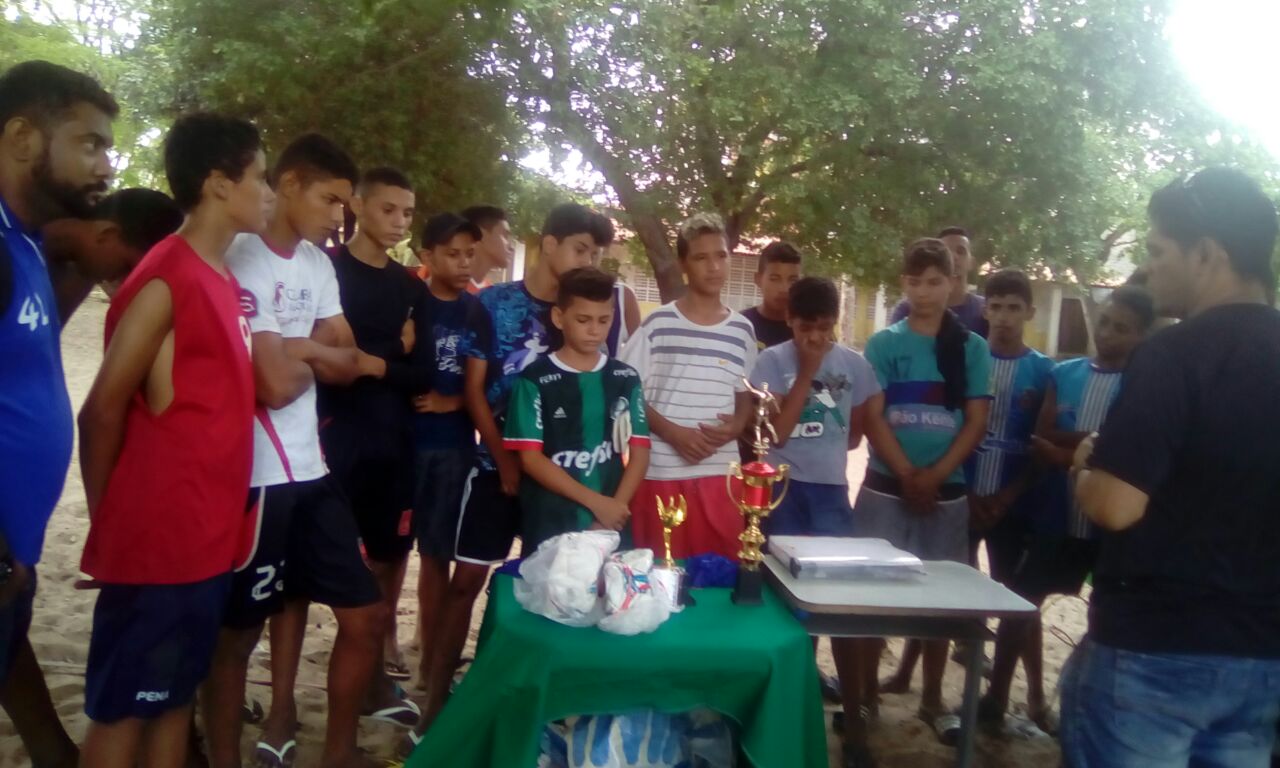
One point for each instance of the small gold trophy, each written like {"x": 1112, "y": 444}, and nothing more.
{"x": 665, "y": 572}
{"x": 754, "y": 498}
{"x": 671, "y": 515}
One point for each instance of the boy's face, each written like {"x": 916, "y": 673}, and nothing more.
{"x": 250, "y": 201}
{"x": 813, "y": 333}
{"x": 1119, "y": 332}
{"x": 927, "y": 292}
{"x": 1170, "y": 277}
{"x": 585, "y": 324}
{"x": 707, "y": 264}
{"x": 498, "y": 246}
{"x": 775, "y": 285}
{"x": 961, "y": 256}
{"x": 384, "y": 213}
{"x": 570, "y": 253}
{"x": 451, "y": 262}
{"x": 314, "y": 210}
{"x": 1008, "y": 316}
{"x": 103, "y": 256}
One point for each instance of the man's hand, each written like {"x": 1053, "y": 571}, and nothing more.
{"x": 508, "y": 471}
{"x": 14, "y": 585}
{"x": 692, "y": 444}
{"x": 720, "y": 433}
{"x": 434, "y": 402}
{"x": 611, "y": 513}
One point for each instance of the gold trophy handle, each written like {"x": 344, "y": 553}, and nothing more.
{"x": 735, "y": 471}
{"x": 784, "y": 473}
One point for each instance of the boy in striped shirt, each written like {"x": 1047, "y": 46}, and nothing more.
{"x": 1058, "y": 543}
{"x": 1001, "y": 474}
{"x": 693, "y": 356}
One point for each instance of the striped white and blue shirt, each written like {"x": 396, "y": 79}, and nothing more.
{"x": 692, "y": 374}
{"x": 1085, "y": 393}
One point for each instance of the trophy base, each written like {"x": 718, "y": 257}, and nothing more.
{"x": 748, "y": 590}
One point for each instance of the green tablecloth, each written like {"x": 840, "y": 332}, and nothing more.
{"x": 752, "y": 664}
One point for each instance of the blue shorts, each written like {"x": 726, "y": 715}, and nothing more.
{"x": 812, "y": 509}
{"x": 151, "y": 647}
{"x": 437, "y": 504}
{"x": 15, "y": 622}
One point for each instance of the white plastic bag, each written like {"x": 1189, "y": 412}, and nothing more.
{"x": 632, "y": 606}
{"x": 561, "y": 580}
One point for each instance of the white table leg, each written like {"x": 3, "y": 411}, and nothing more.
{"x": 969, "y": 708}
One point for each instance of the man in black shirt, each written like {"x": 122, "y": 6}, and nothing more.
{"x": 365, "y": 428}
{"x": 1182, "y": 661}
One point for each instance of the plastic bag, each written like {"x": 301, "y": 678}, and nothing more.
{"x": 640, "y": 739}
{"x": 632, "y": 605}
{"x": 561, "y": 580}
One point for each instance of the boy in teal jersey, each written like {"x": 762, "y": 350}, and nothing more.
{"x": 922, "y": 428}
{"x": 572, "y": 417}
{"x": 1003, "y": 494}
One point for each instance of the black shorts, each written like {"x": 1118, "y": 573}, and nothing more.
{"x": 15, "y": 623}
{"x": 1036, "y": 566}
{"x": 489, "y": 523}
{"x": 441, "y": 476}
{"x": 380, "y": 489}
{"x": 306, "y": 545}
{"x": 151, "y": 647}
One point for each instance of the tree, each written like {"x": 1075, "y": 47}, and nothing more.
{"x": 392, "y": 82}
{"x": 851, "y": 126}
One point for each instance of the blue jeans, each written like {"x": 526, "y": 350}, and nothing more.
{"x": 812, "y": 509}
{"x": 1123, "y": 709}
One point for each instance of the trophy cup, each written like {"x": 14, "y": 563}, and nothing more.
{"x": 665, "y": 572}
{"x": 754, "y": 498}
{"x": 671, "y": 515}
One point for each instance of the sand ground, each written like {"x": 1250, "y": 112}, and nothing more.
{"x": 63, "y": 617}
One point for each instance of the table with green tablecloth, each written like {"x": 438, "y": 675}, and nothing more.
{"x": 752, "y": 664}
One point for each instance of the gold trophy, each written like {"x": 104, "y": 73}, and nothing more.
{"x": 665, "y": 572}
{"x": 754, "y": 498}
{"x": 671, "y": 515}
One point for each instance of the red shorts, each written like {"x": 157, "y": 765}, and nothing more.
{"x": 712, "y": 524}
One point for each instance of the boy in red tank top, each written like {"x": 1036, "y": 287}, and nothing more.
{"x": 166, "y": 447}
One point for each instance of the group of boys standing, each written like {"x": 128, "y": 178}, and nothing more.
{"x": 273, "y": 425}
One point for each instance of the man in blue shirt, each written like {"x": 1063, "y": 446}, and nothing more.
{"x": 55, "y": 130}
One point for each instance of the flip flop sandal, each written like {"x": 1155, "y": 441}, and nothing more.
{"x": 397, "y": 670}
{"x": 409, "y": 743}
{"x": 267, "y": 756}
{"x": 251, "y": 711}
{"x": 405, "y": 714}
{"x": 1046, "y": 721}
{"x": 945, "y": 725}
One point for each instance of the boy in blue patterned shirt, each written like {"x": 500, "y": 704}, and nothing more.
{"x": 1001, "y": 473}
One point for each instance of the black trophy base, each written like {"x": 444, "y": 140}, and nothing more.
{"x": 749, "y": 587}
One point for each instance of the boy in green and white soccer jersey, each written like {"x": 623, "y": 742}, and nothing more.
{"x": 572, "y": 417}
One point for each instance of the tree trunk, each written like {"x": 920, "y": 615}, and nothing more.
{"x": 662, "y": 257}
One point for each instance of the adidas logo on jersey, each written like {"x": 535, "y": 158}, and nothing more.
{"x": 560, "y": 414}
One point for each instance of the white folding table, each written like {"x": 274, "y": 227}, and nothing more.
{"x": 950, "y": 602}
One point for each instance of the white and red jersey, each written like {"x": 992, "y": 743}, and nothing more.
{"x": 285, "y": 293}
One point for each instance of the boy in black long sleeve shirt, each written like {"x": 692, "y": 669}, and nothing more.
{"x": 365, "y": 428}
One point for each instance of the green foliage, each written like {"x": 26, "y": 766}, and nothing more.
{"x": 852, "y": 126}
{"x": 392, "y": 82}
